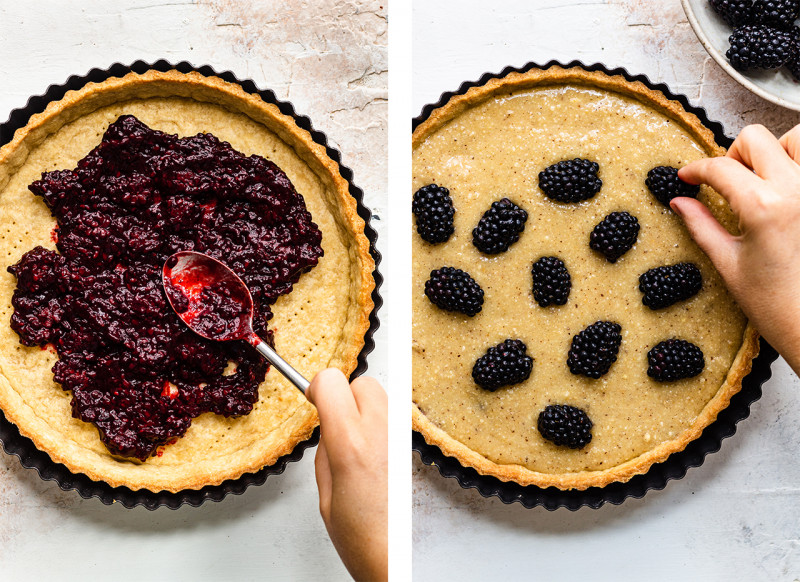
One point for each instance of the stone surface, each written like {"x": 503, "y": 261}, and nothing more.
{"x": 329, "y": 58}
{"x": 733, "y": 518}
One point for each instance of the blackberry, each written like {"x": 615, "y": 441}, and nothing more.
{"x": 666, "y": 285}
{"x": 594, "y": 349}
{"x": 565, "y": 426}
{"x": 434, "y": 210}
{"x": 505, "y": 364}
{"x": 675, "y": 359}
{"x": 615, "y": 235}
{"x": 499, "y": 227}
{"x": 570, "y": 180}
{"x": 734, "y": 12}
{"x": 779, "y": 14}
{"x": 452, "y": 289}
{"x": 759, "y": 47}
{"x": 664, "y": 183}
{"x": 551, "y": 281}
{"x": 793, "y": 64}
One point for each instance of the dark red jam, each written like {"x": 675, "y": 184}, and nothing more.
{"x": 135, "y": 370}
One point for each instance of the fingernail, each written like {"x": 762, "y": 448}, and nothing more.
{"x": 675, "y": 208}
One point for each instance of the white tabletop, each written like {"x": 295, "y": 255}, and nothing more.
{"x": 328, "y": 58}
{"x": 737, "y": 517}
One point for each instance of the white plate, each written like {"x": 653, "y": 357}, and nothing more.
{"x": 776, "y": 86}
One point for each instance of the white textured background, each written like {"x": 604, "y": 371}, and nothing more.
{"x": 737, "y": 517}
{"x": 329, "y": 58}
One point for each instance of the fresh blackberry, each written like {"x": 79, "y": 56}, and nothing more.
{"x": 779, "y": 14}
{"x": 594, "y": 349}
{"x": 734, "y": 12}
{"x": 452, "y": 289}
{"x": 615, "y": 235}
{"x": 565, "y": 426}
{"x": 505, "y": 364}
{"x": 434, "y": 210}
{"x": 551, "y": 281}
{"x": 666, "y": 285}
{"x": 570, "y": 180}
{"x": 793, "y": 64}
{"x": 664, "y": 183}
{"x": 499, "y": 227}
{"x": 675, "y": 359}
{"x": 759, "y": 47}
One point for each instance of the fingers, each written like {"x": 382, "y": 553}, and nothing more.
{"x": 791, "y": 143}
{"x": 330, "y": 393}
{"x": 727, "y": 176}
{"x": 370, "y": 397}
{"x": 710, "y": 235}
{"x": 322, "y": 470}
{"x": 757, "y": 148}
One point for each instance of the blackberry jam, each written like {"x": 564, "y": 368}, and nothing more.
{"x": 134, "y": 369}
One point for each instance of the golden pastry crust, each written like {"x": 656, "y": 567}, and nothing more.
{"x": 340, "y": 286}
{"x": 748, "y": 350}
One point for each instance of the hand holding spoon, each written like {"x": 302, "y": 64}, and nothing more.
{"x": 216, "y": 304}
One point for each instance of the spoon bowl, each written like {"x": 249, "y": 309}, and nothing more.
{"x": 216, "y": 304}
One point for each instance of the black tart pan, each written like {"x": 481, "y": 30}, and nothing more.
{"x": 22, "y": 447}
{"x": 677, "y": 464}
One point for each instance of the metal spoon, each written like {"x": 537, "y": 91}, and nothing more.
{"x": 216, "y": 304}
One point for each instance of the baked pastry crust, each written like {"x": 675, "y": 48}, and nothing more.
{"x": 742, "y": 362}
{"x": 215, "y": 448}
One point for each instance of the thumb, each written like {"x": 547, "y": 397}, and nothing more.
{"x": 720, "y": 245}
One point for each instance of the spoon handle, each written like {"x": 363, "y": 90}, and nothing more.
{"x": 282, "y": 366}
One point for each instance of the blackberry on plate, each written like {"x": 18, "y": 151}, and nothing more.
{"x": 499, "y": 227}
{"x": 452, "y": 289}
{"x": 505, "y": 364}
{"x": 759, "y": 47}
{"x": 793, "y": 64}
{"x": 779, "y": 14}
{"x": 675, "y": 359}
{"x": 664, "y": 286}
{"x": 615, "y": 235}
{"x": 594, "y": 349}
{"x": 664, "y": 183}
{"x": 734, "y": 12}
{"x": 570, "y": 180}
{"x": 565, "y": 426}
{"x": 434, "y": 210}
{"x": 551, "y": 281}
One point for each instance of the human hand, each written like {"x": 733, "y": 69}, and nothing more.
{"x": 760, "y": 179}
{"x": 352, "y": 470}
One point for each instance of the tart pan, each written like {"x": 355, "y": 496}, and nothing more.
{"x": 32, "y": 458}
{"x": 659, "y": 474}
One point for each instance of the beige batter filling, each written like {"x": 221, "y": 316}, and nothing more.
{"x": 496, "y": 149}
